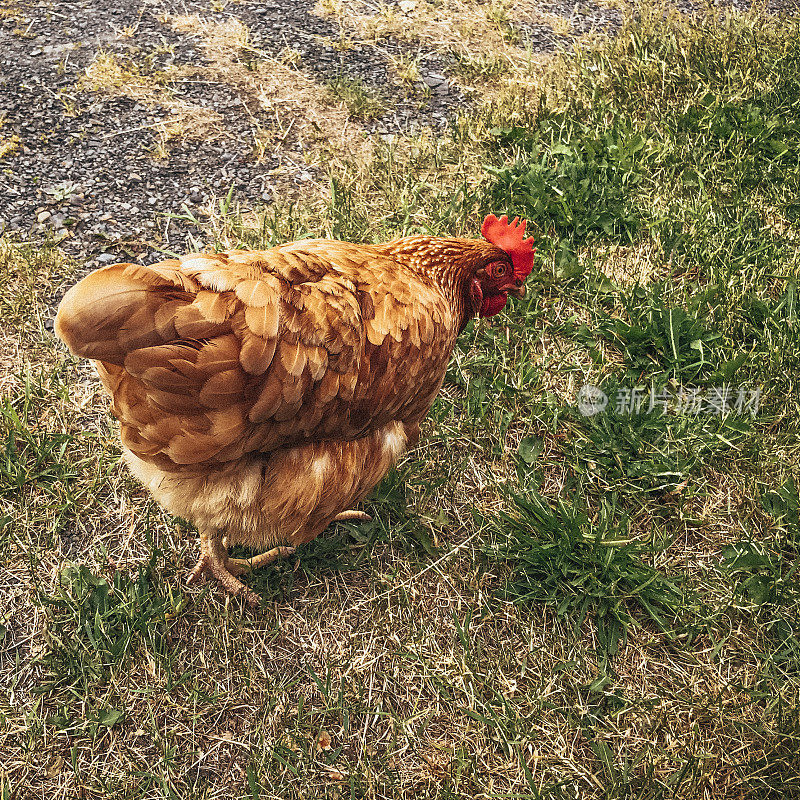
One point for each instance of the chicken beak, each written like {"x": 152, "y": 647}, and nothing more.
{"x": 519, "y": 291}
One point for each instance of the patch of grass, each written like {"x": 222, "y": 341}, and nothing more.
{"x": 109, "y": 75}
{"x": 9, "y": 145}
{"x": 582, "y": 567}
{"x": 497, "y": 13}
{"x": 562, "y": 26}
{"x": 647, "y": 452}
{"x": 577, "y": 182}
{"x": 28, "y": 271}
{"x": 30, "y": 457}
{"x": 474, "y": 68}
{"x": 406, "y": 67}
{"x": 699, "y": 146}
{"x": 362, "y": 102}
{"x": 474, "y": 34}
{"x": 761, "y": 576}
{"x": 285, "y": 106}
{"x": 96, "y": 624}
{"x": 665, "y": 341}
{"x": 783, "y": 505}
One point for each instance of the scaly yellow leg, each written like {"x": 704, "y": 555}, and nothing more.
{"x": 214, "y": 561}
{"x": 237, "y": 566}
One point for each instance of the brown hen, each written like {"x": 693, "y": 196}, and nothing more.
{"x": 261, "y": 394}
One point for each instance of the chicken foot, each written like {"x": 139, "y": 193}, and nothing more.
{"x": 236, "y": 566}
{"x": 214, "y": 561}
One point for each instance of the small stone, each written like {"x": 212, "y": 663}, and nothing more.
{"x": 134, "y": 177}
{"x": 266, "y": 196}
{"x": 106, "y": 258}
{"x": 433, "y": 80}
{"x": 43, "y": 216}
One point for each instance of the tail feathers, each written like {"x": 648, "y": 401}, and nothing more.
{"x": 125, "y": 307}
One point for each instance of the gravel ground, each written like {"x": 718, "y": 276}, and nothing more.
{"x": 84, "y": 169}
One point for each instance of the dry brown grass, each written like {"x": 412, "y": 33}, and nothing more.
{"x": 495, "y": 66}
{"x": 293, "y": 102}
{"x": 109, "y": 76}
{"x": 8, "y": 145}
{"x": 628, "y": 265}
{"x": 281, "y": 104}
{"x": 468, "y": 28}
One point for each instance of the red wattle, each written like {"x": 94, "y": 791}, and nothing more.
{"x": 493, "y": 304}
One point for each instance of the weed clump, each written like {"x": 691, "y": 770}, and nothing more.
{"x": 583, "y": 568}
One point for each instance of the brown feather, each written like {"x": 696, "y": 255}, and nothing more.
{"x": 261, "y": 393}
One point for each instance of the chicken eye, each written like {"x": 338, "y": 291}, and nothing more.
{"x": 499, "y": 269}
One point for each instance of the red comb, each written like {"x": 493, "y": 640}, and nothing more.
{"x": 509, "y": 236}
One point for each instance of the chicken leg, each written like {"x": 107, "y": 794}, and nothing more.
{"x": 236, "y": 566}
{"x": 214, "y": 561}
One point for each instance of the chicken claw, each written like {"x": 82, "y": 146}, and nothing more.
{"x": 206, "y": 568}
{"x": 214, "y": 561}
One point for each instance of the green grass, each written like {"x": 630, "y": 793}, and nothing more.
{"x": 545, "y": 604}
{"x": 362, "y": 102}
{"x": 583, "y": 568}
